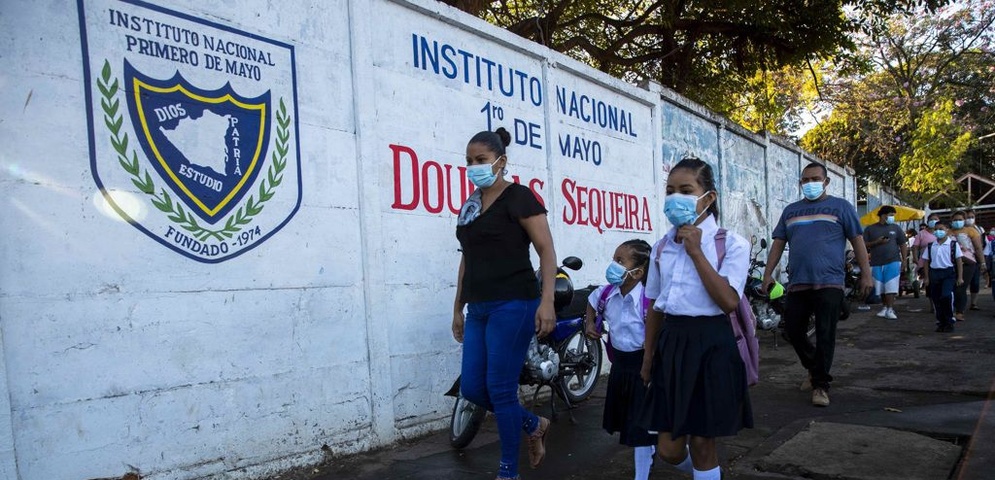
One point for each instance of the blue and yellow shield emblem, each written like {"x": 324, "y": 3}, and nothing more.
{"x": 208, "y": 145}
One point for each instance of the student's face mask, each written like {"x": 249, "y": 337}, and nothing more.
{"x": 940, "y": 234}
{"x": 682, "y": 209}
{"x": 931, "y": 223}
{"x": 890, "y": 219}
{"x": 615, "y": 274}
{"x": 969, "y": 221}
{"x": 957, "y": 224}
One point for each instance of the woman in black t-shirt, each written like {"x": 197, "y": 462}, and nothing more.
{"x": 504, "y": 305}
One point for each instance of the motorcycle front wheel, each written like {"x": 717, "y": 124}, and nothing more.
{"x": 465, "y": 422}
{"x": 580, "y": 366}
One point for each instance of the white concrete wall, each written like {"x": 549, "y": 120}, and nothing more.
{"x": 124, "y": 352}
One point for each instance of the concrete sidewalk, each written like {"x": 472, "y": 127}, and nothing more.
{"x": 907, "y": 403}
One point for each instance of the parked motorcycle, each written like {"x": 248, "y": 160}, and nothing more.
{"x": 566, "y": 361}
{"x": 851, "y": 285}
{"x": 769, "y": 308}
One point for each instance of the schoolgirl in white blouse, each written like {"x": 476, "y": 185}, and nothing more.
{"x": 697, "y": 388}
{"x": 621, "y": 306}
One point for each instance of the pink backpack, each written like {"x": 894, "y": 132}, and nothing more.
{"x": 744, "y": 322}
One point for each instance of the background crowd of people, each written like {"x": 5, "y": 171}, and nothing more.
{"x": 970, "y": 253}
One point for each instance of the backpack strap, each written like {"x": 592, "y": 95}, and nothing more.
{"x": 929, "y": 252}
{"x": 599, "y": 321}
{"x": 659, "y": 248}
{"x": 720, "y": 247}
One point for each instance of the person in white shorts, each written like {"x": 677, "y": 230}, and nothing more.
{"x": 887, "y": 245}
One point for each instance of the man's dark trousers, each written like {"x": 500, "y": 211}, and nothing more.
{"x": 825, "y": 303}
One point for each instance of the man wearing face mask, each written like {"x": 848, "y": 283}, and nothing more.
{"x": 887, "y": 246}
{"x": 817, "y": 228}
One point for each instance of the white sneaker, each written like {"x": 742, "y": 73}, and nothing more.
{"x": 890, "y": 315}
{"x": 883, "y": 313}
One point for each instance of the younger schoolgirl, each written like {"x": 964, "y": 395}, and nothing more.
{"x": 944, "y": 270}
{"x": 696, "y": 379}
{"x": 622, "y": 306}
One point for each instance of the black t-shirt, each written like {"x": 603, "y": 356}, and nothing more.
{"x": 496, "y": 264}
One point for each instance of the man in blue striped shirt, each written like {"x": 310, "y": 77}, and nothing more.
{"x": 817, "y": 228}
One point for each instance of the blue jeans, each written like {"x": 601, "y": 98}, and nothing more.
{"x": 496, "y": 338}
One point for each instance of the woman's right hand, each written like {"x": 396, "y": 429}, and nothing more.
{"x": 458, "y": 321}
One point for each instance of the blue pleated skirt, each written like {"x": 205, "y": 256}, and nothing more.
{"x": 698, "y": 382}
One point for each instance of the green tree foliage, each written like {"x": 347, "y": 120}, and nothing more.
{"x": 774, "y": 101}
{"x": 916, "y": 66}
{"x": 937, "y": 145}
{"x": 707, "y": 50}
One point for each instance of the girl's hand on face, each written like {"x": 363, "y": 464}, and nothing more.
{"x": 690, "y": 236}
{"x": 545, "y": 319}
{"x": 458, "y": 322}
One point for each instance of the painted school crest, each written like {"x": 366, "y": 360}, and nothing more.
{"x": 193, "y": 128}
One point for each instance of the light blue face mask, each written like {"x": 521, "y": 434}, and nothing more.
{"x": 482, "y": 175}
{"x": 931, "y": 223}
{"x": 890, "y": 220}
{"x": 615, "y": 274}
{"x": 957, "y": 224}
{"x": 682, "y": 209}
{"x": 940, "y": 234}
{"x": 813, "y": 190}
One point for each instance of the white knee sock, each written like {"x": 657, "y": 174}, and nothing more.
{"x": 713, "y": 474}
{"x": 685, "y": 466}
{"x": 643, "y": 457}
